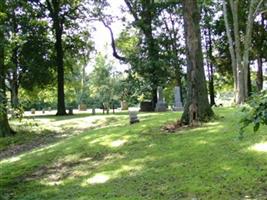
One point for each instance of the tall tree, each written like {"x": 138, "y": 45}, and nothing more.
{"x": 63, "y": 14}
{"x": 55, "y": 9}
{"x": 5, "y": 129}
{"x": 144, "y": 13}
{"x": 207, "y": 29}
{"x": 239, "y": 58}
{"x": 197, "y": 107}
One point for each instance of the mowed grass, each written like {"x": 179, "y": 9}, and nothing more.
{"x": 141, "y": 161}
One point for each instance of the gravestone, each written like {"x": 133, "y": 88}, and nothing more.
{"x": 70, "y": 111}
{"x": 32, "y": 111}
{"x": 146, "y": 106}
{"x": 178, "y": 106}
{"x": 82, "y": 107}
{"x": 93, "y": 111}
{"x": 161, "y": 105}
{"x": 124, "y": 105}
{"x": 133, "y": 117}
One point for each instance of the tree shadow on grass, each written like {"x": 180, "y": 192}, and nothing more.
{"x": 38, "y": 134}
{"x": 128, "y": 163}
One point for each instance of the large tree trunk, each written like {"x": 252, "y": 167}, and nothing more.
{"x": 61, "y": 110}
{"x": 58, "y": 26}
{"x": 197, "y": 107}
{"x": 5, "y": 129}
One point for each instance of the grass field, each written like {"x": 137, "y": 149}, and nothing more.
{"x": 99, "y": 157}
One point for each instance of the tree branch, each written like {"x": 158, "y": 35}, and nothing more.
{"x": 113, "y": 45}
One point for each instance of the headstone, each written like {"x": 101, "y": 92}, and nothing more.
{"x": 146, "y": 106}
{"x": 93, "y": 111}
{"x": 82, "y": 107}
{"x": 178, "y": 106}
{"x": 161, "y": 105}
{"x": 133, "y": 117}
{"x": 124, "y": 105}
{"x": 32, "y": 111}
{"x": 70, "y": 111}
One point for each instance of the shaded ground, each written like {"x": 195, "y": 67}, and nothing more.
{"x": 142, "y": 162}
{"x": 38, "y": 131}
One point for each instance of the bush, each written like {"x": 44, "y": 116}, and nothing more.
{"x": 255, "y": 112}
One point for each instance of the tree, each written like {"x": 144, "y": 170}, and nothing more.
{"x": 29, "y": 50}
{"x": 239, "y": 58}
{"x": 100, "y": 82}
{"x": 259, "y": 41}
{"x": 207, "y": 29}
{"x": 63, "y": 14}
{"x": 197, "y": 106}
{"x": 5, "y": 129}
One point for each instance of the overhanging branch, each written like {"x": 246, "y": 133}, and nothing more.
{"x": 113, "y": 44}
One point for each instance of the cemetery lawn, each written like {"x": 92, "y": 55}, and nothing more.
{"x": 115, "y": 160}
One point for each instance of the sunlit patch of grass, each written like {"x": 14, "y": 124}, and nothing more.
{"x": 139, "y": 161}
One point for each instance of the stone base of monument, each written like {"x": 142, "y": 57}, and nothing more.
{"x": 133, "y": 117}
{"x": 178, "y": 107}
{"x": 161, "y": 107}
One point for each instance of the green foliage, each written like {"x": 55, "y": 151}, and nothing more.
{"x": 255, "y": 113}
{"x": 106, "y": 86}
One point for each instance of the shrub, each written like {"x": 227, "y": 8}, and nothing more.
{"x": 255, "y": 112}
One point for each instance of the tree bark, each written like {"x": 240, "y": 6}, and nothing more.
{"x": 249, "y": 85}
{"x": 247, "y": 47}
{"x": 61, "y": 110}
{"x": 58, "y": 21}
{"x": 259, "y": 80}
{"x": 5, "y": 129}
{"x": 14, "y": 76}
{"x": 241, "y": 85}
{"x": 231, "y": 48}
{"x": 13, "y": 80}
{"x": 209, "y": 61}
{"x": 197, "y": 96}
{"x": 241, "y": 63}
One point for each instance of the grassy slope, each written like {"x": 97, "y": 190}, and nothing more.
{"x": 141, "y": 162}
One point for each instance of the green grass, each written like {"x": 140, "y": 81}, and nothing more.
{"x": 121, "y": 161}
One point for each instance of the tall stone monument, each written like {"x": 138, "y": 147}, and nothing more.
{"x": 178, "y": 106}
{"x": 161, "y": 106}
